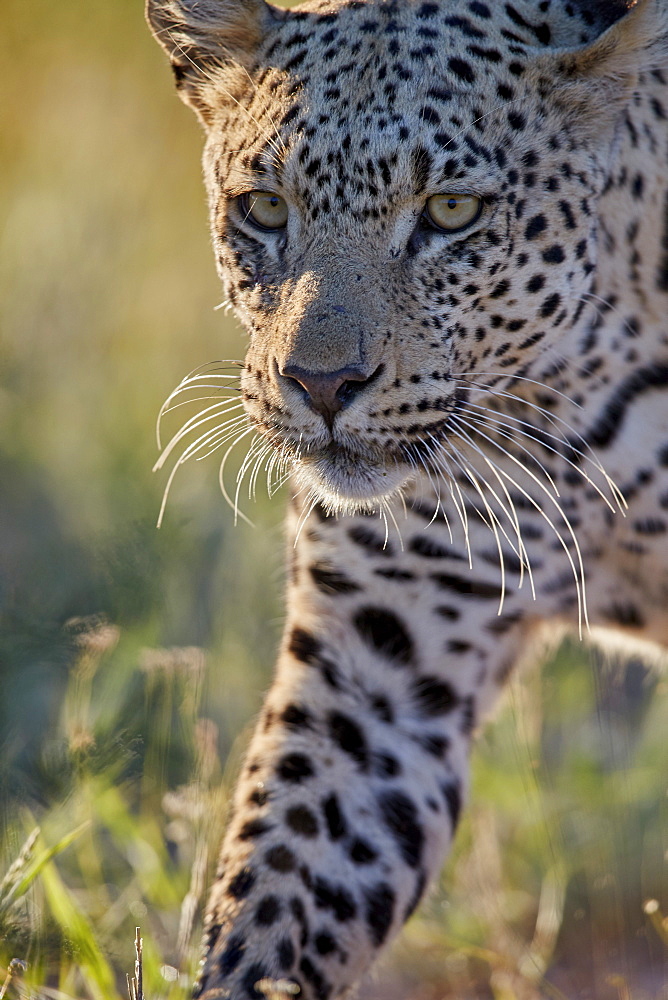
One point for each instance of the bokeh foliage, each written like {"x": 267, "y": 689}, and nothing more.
{"x": 131, "y": 659}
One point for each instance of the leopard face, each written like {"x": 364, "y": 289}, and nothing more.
{"x": 370, "y": 324}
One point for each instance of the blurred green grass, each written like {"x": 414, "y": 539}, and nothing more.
{"x": 131, "y": 659}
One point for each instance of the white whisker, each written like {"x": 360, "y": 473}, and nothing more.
{"x": 578, "y": 573}
{"x": 221, "y": 476}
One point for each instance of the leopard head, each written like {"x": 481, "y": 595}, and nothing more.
{"x": 403, "y": 201}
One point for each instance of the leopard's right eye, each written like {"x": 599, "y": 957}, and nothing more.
{"x": 266, "y": 210}
{"x": 450, "y": 213}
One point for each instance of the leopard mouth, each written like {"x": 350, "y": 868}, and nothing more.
{"x": 345, "y": 479}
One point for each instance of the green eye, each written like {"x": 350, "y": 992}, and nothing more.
{"x": 266, "y": 210}
{"x": 451, "y": 212}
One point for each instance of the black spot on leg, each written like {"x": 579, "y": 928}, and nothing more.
{"x": 662, "y": 275}
{"x": 295, "y": 768}
{"x": 281, "y": 858}
{"x": 241, "y": 884}
{"x": 349, "y": 737}
{"x": 401, "y": 817}
{"x": 361, "y": 852}
{"x": 453, "y": 800}
{"x": 312, "y": 975}
{"x": 336, "y": 898}
{"x": 299, "y": 913}
{"x": 468, "y": 715}
{"x": 433, "y": 696}
{"x": 324, "y": 943}
{"x": 234, "y": 951}
{"x": 285, "y": 953}
{"x": 435, "y": 744}
{"x": 268, "y": 911}
{"x": 418, "y": 893}
{"x": 336, "y": 824}
{"x": 379, "y": 901}
{"x": 384, "y": 632}
{"x": 382, "y": 708}
{"x": 254, "y": 828}
{"x": 254, "y": 974}
{"x": 302, "y": 820}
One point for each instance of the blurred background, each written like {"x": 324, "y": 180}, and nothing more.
{"x": 132, "y": 659}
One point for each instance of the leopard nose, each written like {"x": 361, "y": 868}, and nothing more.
{"x": 329, "y": 392}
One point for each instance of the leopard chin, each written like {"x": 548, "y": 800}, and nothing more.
{"x": 345, "y": 482}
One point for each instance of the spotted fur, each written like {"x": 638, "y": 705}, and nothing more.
{"x": 463, "y": 413}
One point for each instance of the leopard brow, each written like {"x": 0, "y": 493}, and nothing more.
{"x": 243, "y": 181}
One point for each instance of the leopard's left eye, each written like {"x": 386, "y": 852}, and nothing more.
{"x": 268, "y": 211}
{"x": 452, "y": 212}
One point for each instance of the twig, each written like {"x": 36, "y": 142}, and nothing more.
{"x": 136, "y": 984}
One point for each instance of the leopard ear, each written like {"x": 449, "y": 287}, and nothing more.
{"x": 201, "y": 37}
{"x": 595, "y": 81}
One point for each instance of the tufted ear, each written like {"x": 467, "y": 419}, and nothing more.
{"x": 203, "y": 36}
{"x": 594, "y": 82}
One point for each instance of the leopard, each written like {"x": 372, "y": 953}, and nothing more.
{"x": 444, "y": 227}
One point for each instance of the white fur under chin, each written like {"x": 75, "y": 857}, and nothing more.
{"x": 358, "y": 488}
